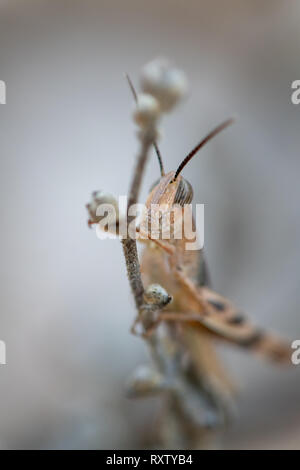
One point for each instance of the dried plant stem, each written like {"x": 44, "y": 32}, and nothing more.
{"x": 129, "y": 244}
{"x": 194, "y": 403}
{"x": 133, "y": 270}
{"x": 186, "y": 413}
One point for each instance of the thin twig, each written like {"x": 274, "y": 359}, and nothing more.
{"x": 155, "y": 145}
{"x": 191, "y": 407}
{"x": 129, "y": 244}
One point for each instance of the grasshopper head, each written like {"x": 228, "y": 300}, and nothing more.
{"x": 170, "y": 192}
{"x": 169, "y": 195}
{"x": 164, "y": 207}
{"x": 172, "y": 188}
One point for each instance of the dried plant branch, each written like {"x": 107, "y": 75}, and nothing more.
{"x": 192, "y": 407}
{"x": 129, "y": 244}
{"x": 189, "y": 413}
{"x": 188, "y": 416}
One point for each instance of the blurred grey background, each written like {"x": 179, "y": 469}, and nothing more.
{"x": 66, "y": 130}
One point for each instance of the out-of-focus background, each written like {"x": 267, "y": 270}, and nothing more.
{"x": 66, "y": 130}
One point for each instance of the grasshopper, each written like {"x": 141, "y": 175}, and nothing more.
{"x": 184, "y": 274}
{"x": 197, "y": 314}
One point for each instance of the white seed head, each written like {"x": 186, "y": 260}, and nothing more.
{"x": 166, "y": 83}
{"x": 156, "y": 294}
{"x": 147, "y": 110}
{"x": 99, "y": 198}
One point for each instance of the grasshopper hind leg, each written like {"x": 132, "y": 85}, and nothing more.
{"x": 209, "y": 372}
{"x": 203, "y": 278}
{"x": 204, "y": 367}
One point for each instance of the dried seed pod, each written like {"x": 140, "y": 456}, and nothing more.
{"x": 99, "y": 198}
{"x": 166, "y": 83}
{"x": 147, "y": 110}
{"x": 157, "y": 295}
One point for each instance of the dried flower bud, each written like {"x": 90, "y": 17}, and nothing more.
{"x": 147, "y": 110}
{"x": 99, "y": 198}
{"x": 166, "y": 83}
{"x": 145, "y": 381}
{"x": 157, "y": 295}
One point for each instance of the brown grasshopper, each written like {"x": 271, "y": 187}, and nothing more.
{"x": 198, "y": 315}
{"x": 201, "y": 313}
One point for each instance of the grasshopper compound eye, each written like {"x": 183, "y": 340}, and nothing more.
{"x": 184, "y": 193}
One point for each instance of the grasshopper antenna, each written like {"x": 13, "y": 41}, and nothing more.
{"x": 209, "y": 136}
{"x": 159, "y": 157}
